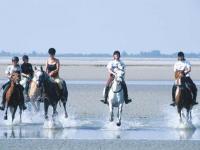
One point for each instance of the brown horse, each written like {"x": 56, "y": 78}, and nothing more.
{"x": 13, "y": 96}
{"x": 183, "y": 97}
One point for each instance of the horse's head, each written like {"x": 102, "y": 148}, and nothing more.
{"x": 180, "y": 77}
{"x": 40, "y": 76}
{"x": 119, "y": 77}
{"x": 15, "y": 77}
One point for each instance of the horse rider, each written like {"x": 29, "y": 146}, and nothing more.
{"x": 15, "y": 67}
{"x": 183, "y": 65}
{"x": 112, "y": 65}
{"x": 52, "y": 67}
{"x": 26, "y": 72}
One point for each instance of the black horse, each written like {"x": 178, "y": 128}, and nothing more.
{"x": 52, "y": 93}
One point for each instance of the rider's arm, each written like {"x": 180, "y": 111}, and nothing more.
{"x": 46, "y": 66}
{"x": 57, "y": 67}
{"x": 25, "y": 75}
{"x": 111, "y": 72}
{"x": 188, "y": 70}
{"x": 7, "y": 72}
{"x": 109, "y": 67}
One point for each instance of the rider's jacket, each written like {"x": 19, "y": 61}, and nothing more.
{"x": 182, "y": 66}
{"x": 11, "y": 68}
{"x": 27, "y": 69}
{"x": 116, "y": 64}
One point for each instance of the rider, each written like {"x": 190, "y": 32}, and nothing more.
{"x": 53, "y": 67}
{"x": 27, "y": 72}
{"x": 15, "y": 67}
{"x": 115, "y": 63}
{"x": 183, "y": 65}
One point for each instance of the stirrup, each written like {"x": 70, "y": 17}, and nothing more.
{"x": 195, "y": 103}
{"x": 103, "y": 101}
{"x": 128, "y": 101}
{"x": 173, "y": 104}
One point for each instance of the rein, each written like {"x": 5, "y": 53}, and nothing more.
{"x": 118, "y": 90}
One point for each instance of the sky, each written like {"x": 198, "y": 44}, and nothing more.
{"x": 100, "y": 26}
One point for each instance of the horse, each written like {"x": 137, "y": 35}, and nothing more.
{"x": 116, "y": 95}
{"x": 34, "y": 94}
{"x": 183, "y": 97}
{"x": 13, "y": 96}
{"x": 51, "y": 92}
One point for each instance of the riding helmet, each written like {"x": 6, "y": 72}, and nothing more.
{"x": 15, "y": 58}
{"x": 25, "y": 57}
{"x": 52, "y": 51}
{"x": 116, "y": 53}
{"x": 181, "y": 54}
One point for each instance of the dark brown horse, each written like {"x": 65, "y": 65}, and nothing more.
{"x": 13, "y": 96}
{"x": 183, "y": 97}
{"x": 51, "y": 92}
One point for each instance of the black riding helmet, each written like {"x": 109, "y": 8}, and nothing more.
{"x": 52, "y": 51}
{"x": 181, "y": 55}
{"x": 25, "y": 57}
{"x": 116, "y": 53}
{"x": 15, "y": 58}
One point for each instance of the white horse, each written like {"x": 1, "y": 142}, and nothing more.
{"x": 116, "y": 95}
{"x": 34, "y": 93}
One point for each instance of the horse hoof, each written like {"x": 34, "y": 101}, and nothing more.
{"x": 66, "y": 115}
{"x": 46, "y": 117}
{"x": 119, "y": 124}
{"x": 5, "y": 118}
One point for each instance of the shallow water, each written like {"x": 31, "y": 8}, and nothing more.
{"x": 149, "y": 122}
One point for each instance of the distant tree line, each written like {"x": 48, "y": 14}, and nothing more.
{"x": 143, "y": 54}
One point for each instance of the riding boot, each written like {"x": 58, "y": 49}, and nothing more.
{"x": 173, "y": 95}
{"x": 126, "y": 99}
{"x": 105, "y": 101}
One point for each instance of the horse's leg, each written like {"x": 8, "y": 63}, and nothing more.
{"x": 46, "y": 105}
{"x": 180, "y": 116}
{"x": 34, "y": 106}
{"x": 111, "y": 111}
{"x": 190, "y": 115}
{"x": 20, "y": 115}
{"x": 13, "y": 113}
{"x": 38, "y": 105}
{"x": 6, "y": 113}
{"x": 55, "y": 113}
{"x": 64, "y": 105}
{"x": 119, "y": 115}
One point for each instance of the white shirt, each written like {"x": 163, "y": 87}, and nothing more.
{"x": 116, "y": 64}
{"x": 10, "y": 69}
{"x": 182, "y": 66}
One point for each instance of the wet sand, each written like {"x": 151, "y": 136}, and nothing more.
{"x": 95, "y": 68}
{"x": 42, "y": 144}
